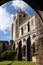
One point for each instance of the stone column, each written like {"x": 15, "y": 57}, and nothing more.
{"x": 11, "y": 43}
{"x": 13, "y": 47}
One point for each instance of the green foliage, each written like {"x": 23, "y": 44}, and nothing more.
{"x": 8, "y": 55}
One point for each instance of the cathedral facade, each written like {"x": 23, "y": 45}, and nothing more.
{"x": 24, "y": 30}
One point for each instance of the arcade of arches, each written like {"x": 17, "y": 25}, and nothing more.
{"x": 28, "y": 45}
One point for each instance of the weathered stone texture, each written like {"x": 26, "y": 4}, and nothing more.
{"x": 39, "y": 43}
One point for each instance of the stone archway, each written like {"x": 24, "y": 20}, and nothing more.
{"x": 38, "y": 7}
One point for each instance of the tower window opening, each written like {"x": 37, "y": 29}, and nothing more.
{"x": 19, "y": 15}
{"x": 28, "y": 27}
{"x": 24, "y": 15}
{"x": 22, "y": 31}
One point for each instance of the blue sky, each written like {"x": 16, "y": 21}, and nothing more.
{"x": 7, "y": 11}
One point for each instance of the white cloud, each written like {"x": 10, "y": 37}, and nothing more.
{"x": 12, "y": 15}
{"x": 19, "y": 4}
{"x": 5, "y": 19}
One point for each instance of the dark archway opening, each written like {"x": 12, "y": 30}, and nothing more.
{"x": 28, "y": 49}
{"x": 20, "y": 51}
{"x": 28, "y": 27}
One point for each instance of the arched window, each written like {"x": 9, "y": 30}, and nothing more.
{"x": 24, "y": 15}
{"x": 22, "y": 31}
{"x": 28, "y": 27}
